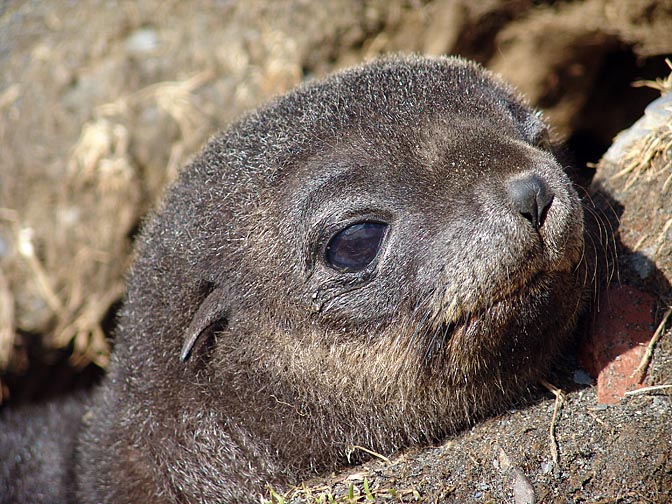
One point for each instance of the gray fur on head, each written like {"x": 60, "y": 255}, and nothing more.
{"x": 245, "y": 357}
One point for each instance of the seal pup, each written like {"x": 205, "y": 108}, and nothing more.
{"x": 375, "y": 259}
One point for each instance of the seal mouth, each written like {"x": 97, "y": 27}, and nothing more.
{"x": 483, "y": 324}
{"x": 458, "y": 311}
{"x": 454, "y": 303}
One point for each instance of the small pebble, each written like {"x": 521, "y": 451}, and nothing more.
{"x": 582, "y": 378}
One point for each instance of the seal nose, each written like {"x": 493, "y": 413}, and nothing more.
{"x": 532, "y": 198}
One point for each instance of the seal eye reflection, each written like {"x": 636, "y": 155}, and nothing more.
{"x": 355, "y": 247}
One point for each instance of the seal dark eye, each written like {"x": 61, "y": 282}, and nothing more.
{"x": 353, "y": 248}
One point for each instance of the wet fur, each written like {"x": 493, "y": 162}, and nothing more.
{"x": 285, "y": 363}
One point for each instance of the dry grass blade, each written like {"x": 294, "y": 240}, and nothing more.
{"x": 645, "y": 152}
{"x": 664, "y": 85}
{"x": 646, "y": 390}
{"x": 42, "y": 278}
{"x": 371, "y": 452}
{"x": 646, "y": 359}
{"x": 655, "y": 146}
{"x": 559, "y": 400}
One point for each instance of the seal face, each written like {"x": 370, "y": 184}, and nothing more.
{"x": 375, "y": 259}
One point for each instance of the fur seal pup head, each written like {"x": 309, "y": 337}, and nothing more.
{"x": 374, "y": 259}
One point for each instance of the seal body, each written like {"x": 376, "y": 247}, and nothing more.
{"x": 375, "y": 259}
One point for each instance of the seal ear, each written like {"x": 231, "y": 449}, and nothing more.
{"x": 211, "y": 312}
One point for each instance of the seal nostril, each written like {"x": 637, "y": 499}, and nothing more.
{"x": 532, "y": 198}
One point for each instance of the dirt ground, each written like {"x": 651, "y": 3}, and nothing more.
{"x": 102, "y": 102}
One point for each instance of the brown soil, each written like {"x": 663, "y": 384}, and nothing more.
{"x": 102, "y": 102}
